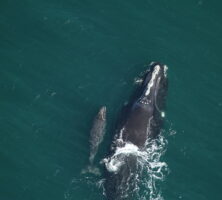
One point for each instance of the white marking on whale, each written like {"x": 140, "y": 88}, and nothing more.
{"x": 151, "y": 82}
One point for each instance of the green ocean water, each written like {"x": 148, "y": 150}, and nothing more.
{"x": 61, "y": 60}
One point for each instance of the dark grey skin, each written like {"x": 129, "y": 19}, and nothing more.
{"x": 97, "y": 132}
{"x": 142, "y": 123}
{"x": 144, "y": 119}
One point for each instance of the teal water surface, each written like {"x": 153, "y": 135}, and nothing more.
{"x": 61, "y": 60}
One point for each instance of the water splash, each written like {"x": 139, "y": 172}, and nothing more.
{"x": 151, "y": 170}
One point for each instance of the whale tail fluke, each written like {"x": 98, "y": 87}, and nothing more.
{"x": 91, "y": 169}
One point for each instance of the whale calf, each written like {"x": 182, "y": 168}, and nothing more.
{"x": 97, "y": 132}
{"x": 141, "y": 124}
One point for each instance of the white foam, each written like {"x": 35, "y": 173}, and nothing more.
{"x": 129, "y": 148}
{"x": 138, "y": 80}
{"x": 151, "y": 82}
{"x": 150, "y": 169}
{"x": 163, "y": 114}
{"x": 114, "y": 163}
{"x": 92, "y": 170}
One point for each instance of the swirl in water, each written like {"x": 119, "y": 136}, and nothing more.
{"x": 150, "y": 169}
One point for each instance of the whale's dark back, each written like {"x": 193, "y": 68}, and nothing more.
{"x": 142, "y": 123}
{"x": 144, "y": 120}
{"x": 120, "y": 186}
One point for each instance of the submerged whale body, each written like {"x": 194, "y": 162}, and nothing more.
{"x": 97, "y": 132}
{"x": 96, "y": 136}
{"x": 141, "y": 124}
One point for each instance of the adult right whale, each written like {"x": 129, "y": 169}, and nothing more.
{"x": 142, "y": 123}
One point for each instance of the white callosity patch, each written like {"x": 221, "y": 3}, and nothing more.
{"x": 151, "y": 82}
{"x": 121, "y": 133}
{"x": 165, "y": 70}
{"x": 145, "y": 101}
